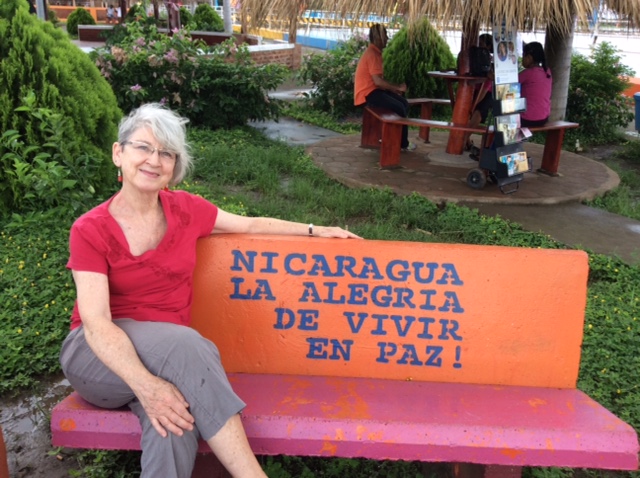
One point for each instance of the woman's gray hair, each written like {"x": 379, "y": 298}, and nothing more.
{"x": 168, "y": 128}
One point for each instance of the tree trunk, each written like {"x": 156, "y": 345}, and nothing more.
{"x": 123, "y": 10}
{"x": 243, "y": 19}
{"x": 293, "y": 23}
{"x": 226, "y": 13}
{"x": 558, "y": 47}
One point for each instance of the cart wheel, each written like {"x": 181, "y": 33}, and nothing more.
{"x": 476, "y": 179}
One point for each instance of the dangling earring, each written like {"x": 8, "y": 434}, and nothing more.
{"x": 119, "y": 175}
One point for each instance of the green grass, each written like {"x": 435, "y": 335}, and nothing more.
{"x": 625, "y": 199}
{"x": 245, "y": 173}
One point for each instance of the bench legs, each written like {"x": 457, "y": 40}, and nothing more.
{"x": 426, "y": 109}
{"x": 208, "y": 466}
{"x": 371, "y": 131}
{"x": 551, "y": 153}
{"x": 386, "y": 136}
{"x": 468, "y": 470}
{"x": 390, "y": 147}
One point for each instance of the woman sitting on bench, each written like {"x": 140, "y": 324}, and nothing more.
{"x": 535, "y": 85}
{"x": 133, "y": 259}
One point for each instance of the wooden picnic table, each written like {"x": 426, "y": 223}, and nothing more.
{"x": 462, "y": 103}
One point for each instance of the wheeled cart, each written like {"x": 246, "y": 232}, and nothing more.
{"x": 503, "y": 166}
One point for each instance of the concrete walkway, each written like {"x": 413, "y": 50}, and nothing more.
{"x": 551, "y": 205}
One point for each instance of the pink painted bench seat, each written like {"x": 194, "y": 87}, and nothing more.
{"x": 387, "y": 419}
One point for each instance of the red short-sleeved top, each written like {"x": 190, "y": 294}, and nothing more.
{"x": 157, "y": 285}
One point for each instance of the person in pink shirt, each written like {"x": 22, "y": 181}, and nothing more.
{"x": 535, "y": 85}
{"x": 130, "y": 344}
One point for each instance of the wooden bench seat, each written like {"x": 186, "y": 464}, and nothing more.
{"x": 393, "y": 350}
{"x": 383, "y": 129}
{"x": 553, "y": 144}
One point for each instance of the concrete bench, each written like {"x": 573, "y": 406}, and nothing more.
{"x": 383, "y": 129}
{"x": 393, "y": 350}
{"x": 93, "y": 33}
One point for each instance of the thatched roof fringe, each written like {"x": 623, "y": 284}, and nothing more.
{"x": 448, "y": 14}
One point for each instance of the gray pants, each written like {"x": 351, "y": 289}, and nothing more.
{"x": 177, "y": 354}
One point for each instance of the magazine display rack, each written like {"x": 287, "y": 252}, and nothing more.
{"x": 503, "y": 159}
{"x": 504, "y": 162}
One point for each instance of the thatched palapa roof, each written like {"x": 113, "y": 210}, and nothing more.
{"x": 449, "y": 14}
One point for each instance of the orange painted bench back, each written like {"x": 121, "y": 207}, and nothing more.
{"x": 394, "y": 310}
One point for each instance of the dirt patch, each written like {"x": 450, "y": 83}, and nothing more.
{"x": 25, "y": 423}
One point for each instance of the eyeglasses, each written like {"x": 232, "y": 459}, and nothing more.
{"x": 145, "y": 150}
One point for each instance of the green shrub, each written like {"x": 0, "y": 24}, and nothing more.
{"x": 220, "y": 88}
{"x": 56, "y": 173}
{"x": 185, "y": 16}
{"x": 331, "y": 75}
{"x": 52, "y": 17}
{"x": 412, "y": 53}
{"x": 79, "y": 16}
{"x": 595, "y": 94}
{"x": 135, "y": 13}
{"x": 207, "y": 19}
{"x": 140, "y": 24}
{"x": 36, "y": 58}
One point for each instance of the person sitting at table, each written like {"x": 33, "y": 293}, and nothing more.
{"x": 372, "y": 89}
{"x": 483, "y": 101}
{"x": 132, "y": 259}
{"x": 535, "y": 85}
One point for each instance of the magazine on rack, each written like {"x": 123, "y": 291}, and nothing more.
{"x": 517, "y": 163}
{"x": 509, "y": 126}
{"x": 508, "y": 91}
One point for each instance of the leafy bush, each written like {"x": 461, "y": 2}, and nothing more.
{"x": 36, "y": 58}
{"x": 135, "y": 13}
{"x": 412, "y": 53}
{"x": 595, "y": 94}
{"x": 213, "y": 87}
{"x": 185, "y": 16}
{"x": 141, "y": 24}
{"x": 52, "y": 174}
{"x": 331, "y": 75}
{"x": 52, "y": 17}
{"x": 207, "y": 19}
{"x": 79, "y": 16}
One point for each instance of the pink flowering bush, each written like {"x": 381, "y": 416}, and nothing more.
{"x": 213, "y": 86}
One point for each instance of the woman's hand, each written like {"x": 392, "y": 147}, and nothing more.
{"x": 165, "y": 406}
